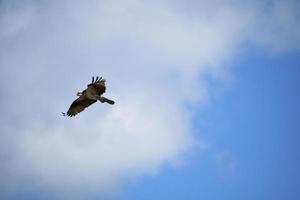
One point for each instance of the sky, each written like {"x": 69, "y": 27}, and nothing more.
{"x": 206, "y": 99}
{"x": 251, "y": 157}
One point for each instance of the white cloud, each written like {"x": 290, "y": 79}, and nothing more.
{"x": 155, "y": 56}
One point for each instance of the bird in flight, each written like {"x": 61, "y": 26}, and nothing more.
{"x": 88, "y": 97}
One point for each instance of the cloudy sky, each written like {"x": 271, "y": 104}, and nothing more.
{"x": 206, "y": 93}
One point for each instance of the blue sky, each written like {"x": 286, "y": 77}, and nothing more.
{"x": 257, "y": 122}
{"x": 206, "y": 100}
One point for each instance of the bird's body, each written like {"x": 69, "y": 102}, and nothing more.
{"x": 88, "y": 97}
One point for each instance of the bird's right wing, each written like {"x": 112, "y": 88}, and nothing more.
{"x": 97, "y": 86}
{"x": 79, "y": 105}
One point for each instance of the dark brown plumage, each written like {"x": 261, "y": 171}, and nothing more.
{"x": 88, "y": 97}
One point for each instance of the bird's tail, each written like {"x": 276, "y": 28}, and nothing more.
{"x": 103, "y": 99}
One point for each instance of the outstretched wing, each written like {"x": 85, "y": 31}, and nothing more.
{"x": 79, "y": 105}
{"x": 97, "y": 85}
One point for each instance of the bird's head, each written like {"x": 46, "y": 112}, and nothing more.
{"x": 79, "y": 93}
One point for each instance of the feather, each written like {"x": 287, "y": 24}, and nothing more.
{"x": 79, "y": 105}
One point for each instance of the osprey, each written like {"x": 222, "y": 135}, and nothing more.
{"x": 88, "y": 97}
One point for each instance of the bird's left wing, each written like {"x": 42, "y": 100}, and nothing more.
{"x": 79, "y": 105}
